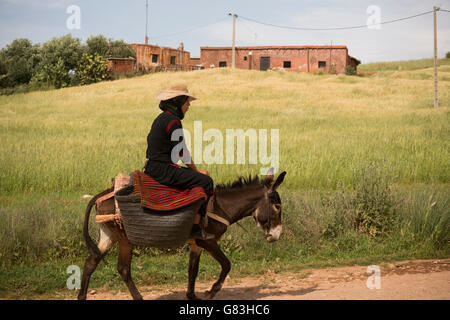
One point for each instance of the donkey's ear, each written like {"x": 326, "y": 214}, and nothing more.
{"x": 278, "y": 182}
{"x": 269, "y": 174}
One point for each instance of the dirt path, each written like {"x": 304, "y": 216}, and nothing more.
{"x": 419, "y": 279}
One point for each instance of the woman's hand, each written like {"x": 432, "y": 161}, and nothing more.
{"x": 193, "y": 167}
{"x": 204, "y": 172}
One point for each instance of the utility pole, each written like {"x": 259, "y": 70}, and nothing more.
{"x": 146, "y": 21}
{"x": 329, "y": 67}
{"x": 146, "y": 36}
{"x": 233, "y": 48}
{"x": 436, "y": 103}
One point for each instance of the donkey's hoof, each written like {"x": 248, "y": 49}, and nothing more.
{"x": 208, "y": 295}
{"x": 192, "y": 296}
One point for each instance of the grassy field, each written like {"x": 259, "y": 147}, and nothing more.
{"x": 338, "y": 135}
{"x": 402, "y": 65}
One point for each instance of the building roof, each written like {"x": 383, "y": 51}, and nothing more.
{"x": 274, "y": 47}
{"x": 113, "y": 58}
{"x": 155, "y": 46}
{"x": 358, "y": 61}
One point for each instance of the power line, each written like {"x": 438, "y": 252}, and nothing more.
{"x": 337, "y": 28}
{"x": 248, "y": 29}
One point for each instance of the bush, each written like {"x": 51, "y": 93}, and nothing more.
{"x": 350, "y": 70}
{"x": 374, "y": 204}
{"x": 97, "y": 45}
{"x": 18, "y": 61}
{"x": 319, "y": 72}
{"x": 59, "y": 56}
{"x": 91, "y": 69}
{"x": 52, "y": 75}
{"x": 109, "y": 48}
{"x": 338, "y": 214}
{"x": 120, "y": 49}
{"x": 54, "y": 64}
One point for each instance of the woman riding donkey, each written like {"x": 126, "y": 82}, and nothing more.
{"x": 163, "y": 152}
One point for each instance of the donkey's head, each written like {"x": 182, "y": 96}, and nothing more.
{"x": 268, "y": 210}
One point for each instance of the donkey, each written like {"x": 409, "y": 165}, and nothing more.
{"x": 231, "y": 202}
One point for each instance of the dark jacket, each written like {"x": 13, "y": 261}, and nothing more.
{"x": 160, "y": 143}
{"x": 161, "y": 165}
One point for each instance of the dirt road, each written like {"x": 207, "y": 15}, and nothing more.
{"x": 419, "y": 279}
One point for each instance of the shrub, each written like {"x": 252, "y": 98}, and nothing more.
{"x": 59, "y": 56}
{"x": 51, "y": 75}
{"x": 91, "y": 69}
{"x": 338, "y": 214}
{"x": 350, "y": 70}
{"x": 374, "y": 204}
{"x": 18, "y": 62}
{"x": 120, "y": 49}
{"x": 98, "y": 45}
{"x": 319, "y": 72}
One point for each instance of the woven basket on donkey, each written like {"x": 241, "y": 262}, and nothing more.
{"x": 168, "y": 229}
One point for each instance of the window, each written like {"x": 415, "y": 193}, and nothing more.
{"x": 286, "y": 64}
{"x": 222, "y": 64}
{"x": 173, "y": 60}
{"x": 245, "y": 58}
{"x": 322, "y": 64}
{"x": 154, "y": 58}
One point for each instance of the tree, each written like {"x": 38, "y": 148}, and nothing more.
{"x": 98, "y": 45}
{"x": 448, "y": 55}
{"x": 58, "y": 57}
{"x": 18, "y": 62}
{"x": 120, "y": 49}
{"x": 92, "y": 68}
{"x": 109, "y": 48}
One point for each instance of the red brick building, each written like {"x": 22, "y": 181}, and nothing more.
{"x": 291, "y": 58}
{"x": 121, "y": 65}
{"x": 151, "y": 57}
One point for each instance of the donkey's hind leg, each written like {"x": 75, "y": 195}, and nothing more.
{"x": 106, "y": 242}
{"x": 194, "y": 259}
{"x": 124, "y": 267}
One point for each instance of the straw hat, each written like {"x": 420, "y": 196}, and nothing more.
{"x": 175, "y": 90}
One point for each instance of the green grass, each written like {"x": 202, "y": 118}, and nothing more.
{"x": 304, "y": 244}
{"x": 74, "y": 140}
{"x": 402, "y": 65}
{"x": 62, "y": 144}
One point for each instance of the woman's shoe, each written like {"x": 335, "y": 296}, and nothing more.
{"x": 201, "y": 234}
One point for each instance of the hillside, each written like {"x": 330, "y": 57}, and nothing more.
{"x": 327, "y": 124}
{"x": 403, "y": 65}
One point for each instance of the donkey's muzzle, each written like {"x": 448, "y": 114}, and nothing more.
{"x": 274, "y": 233}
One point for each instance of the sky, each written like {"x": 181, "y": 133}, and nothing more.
{"x": 199, "y": 23}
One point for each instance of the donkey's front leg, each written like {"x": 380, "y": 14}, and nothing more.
{"x": 194, "y": 259}
{"x": 214, "y": 250}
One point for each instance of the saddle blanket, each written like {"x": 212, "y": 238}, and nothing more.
{"x": 159, "y": 197}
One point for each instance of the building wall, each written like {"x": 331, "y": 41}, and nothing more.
{"x": 144, "y": 56}
{"x": 195, "y": 61}
{"x": 121, "y": 65}
{"x": 353, "y": 62}
{"x": 298, "y": 57}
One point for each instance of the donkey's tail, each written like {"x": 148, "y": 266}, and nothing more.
{"x": 92, "y": 247}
